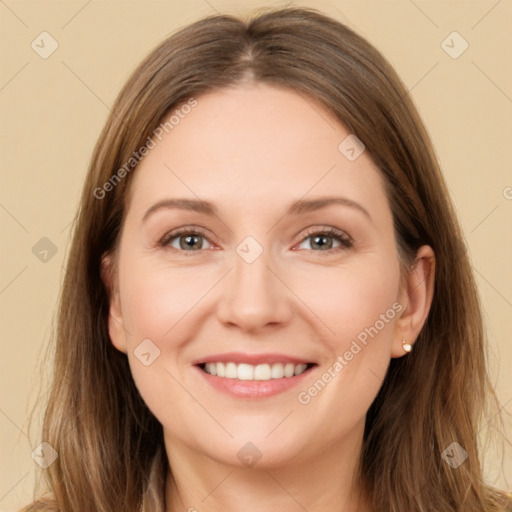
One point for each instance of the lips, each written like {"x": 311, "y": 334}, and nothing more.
{"x": 253, "y": 375}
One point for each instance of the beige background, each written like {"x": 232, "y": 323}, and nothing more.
{"x": 52, "y": 111}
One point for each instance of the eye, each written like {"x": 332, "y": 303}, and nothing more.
{"x": 323, "y": 240}
{"x": 189, "y": 240}
{"x": 185, "y": 240}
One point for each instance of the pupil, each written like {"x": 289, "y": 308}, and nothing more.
{"x": 189, "y": 241}
{"x": 320, "y": 238}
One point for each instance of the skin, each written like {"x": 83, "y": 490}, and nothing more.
{"x": 252, "y": 150}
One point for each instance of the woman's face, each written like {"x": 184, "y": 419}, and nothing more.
{"x": 216, "y": 266}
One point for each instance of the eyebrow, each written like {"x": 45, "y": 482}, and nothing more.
{"x": 296, "y": 208}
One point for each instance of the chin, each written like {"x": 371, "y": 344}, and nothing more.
{"x": 253, "y": 455}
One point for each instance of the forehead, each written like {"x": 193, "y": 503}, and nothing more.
{"x": 256, "y": 142}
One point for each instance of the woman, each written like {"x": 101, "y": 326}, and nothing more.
{"x": 268, "y": 303}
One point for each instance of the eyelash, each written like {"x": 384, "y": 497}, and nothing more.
{"x": 345, "y": 240}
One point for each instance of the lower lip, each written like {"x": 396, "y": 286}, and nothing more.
{"x": 253, "y": 388}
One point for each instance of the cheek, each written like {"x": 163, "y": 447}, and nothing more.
{"x": 158, "y": 304}
{"x": 156, "y": 299}
{"x": 358, "y": 303}
{"x": 353, "y": 298}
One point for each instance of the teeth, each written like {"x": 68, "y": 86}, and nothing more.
{"x": 246, "y": 371}
{"x": 277, "y": 371}
{"x": 300, "y": 368}
{"x": 231, "y": 371}
{"x": 262, "y": 372}
{"x": 289, "y": 370}
{"x": 211, "y": 368}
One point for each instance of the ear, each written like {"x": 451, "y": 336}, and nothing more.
{"x": 416, "y": 298}
{"x": 116, "y": 328}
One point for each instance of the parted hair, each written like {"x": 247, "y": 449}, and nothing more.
{"x": 110, "y": 446}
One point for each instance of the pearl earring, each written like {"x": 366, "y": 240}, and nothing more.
{"x": 407, "y": 346}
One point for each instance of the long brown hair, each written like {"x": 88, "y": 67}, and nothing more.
{"x": 109, "y": 444}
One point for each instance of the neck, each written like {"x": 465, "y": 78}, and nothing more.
{"x": 329, "y": 481}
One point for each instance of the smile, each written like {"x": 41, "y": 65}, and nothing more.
{"x": 249, "y": 372}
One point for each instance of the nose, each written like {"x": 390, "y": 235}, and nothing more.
{"x": 254, "y": 296}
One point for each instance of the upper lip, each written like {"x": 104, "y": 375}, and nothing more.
{"x": 253, "y": 359}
